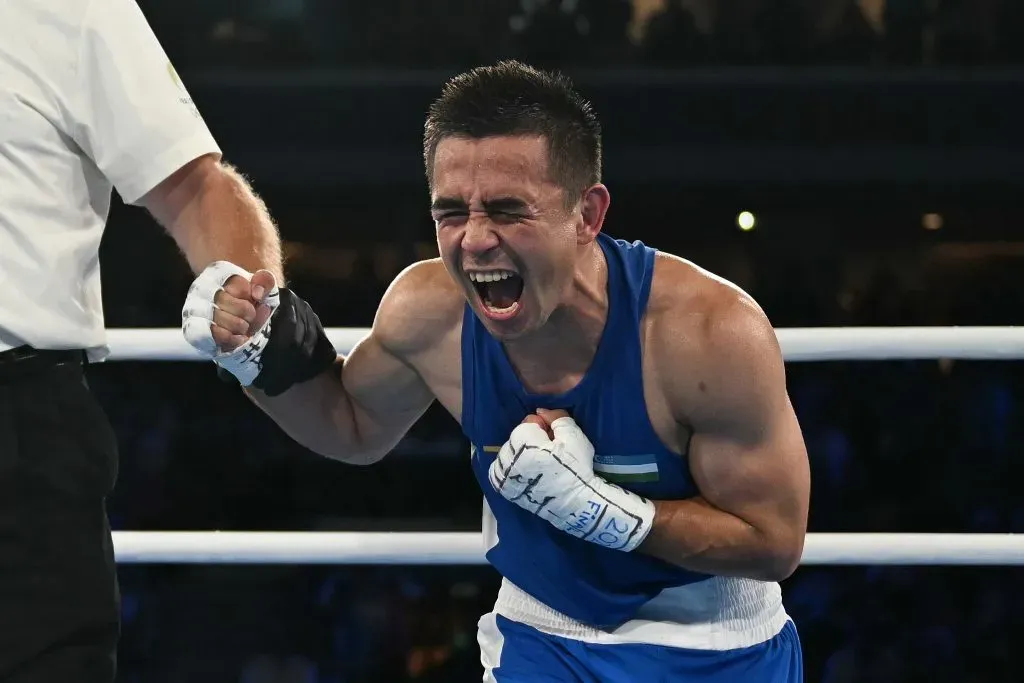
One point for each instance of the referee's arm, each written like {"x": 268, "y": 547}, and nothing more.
{"x": 131, "y": 113}
{"x": 213, "y": 215}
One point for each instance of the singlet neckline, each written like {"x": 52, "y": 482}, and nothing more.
{"x": 605, "y": 345}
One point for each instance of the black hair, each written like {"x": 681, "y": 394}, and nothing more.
{"x": 512, "y": 98}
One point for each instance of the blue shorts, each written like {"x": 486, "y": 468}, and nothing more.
{"x": 515, "y": 653}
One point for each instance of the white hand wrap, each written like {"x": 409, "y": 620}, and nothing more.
{"x": 197, "y": 320}
{"x": 555, "y": 480}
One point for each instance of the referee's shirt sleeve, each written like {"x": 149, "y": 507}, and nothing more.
{"x": 132, "y": 114}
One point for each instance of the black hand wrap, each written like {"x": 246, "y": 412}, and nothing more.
{"x": 297, "y": 350}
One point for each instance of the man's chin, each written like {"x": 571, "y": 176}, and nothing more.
{"x": 504, "y": 328}
{"x": 503, "y": 331}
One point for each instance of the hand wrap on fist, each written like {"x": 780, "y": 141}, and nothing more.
{"x": 289, "y": 347}
{"x": 554, "y": 479}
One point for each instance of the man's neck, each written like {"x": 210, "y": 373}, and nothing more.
{"x": 568, "y": 340}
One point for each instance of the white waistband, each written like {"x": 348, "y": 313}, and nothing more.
{"x": 721, "y": 613}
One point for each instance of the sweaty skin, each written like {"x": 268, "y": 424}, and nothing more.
{"x": 714, "y": 380}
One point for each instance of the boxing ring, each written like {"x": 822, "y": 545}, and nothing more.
{"x": 426, "y": 548}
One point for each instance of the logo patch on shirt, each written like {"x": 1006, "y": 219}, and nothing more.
{"x": 627, "y": 469}
{"x": 474, "y": 450}
{"x": 174, "y": 76}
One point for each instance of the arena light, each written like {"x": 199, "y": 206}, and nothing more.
{"x": 746, "y": 221}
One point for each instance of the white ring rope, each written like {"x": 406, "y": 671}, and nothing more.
{"x": 428, "y": 548}
{"x": 798, "y": 343}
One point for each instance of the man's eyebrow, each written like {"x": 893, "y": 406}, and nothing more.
{"x": 498, "y": 204}
{"x": 447, "y": 204}
{"x": 505, "y": 204}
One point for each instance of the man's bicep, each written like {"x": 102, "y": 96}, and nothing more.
{"x": 386, "y": 394}
{"x": 382, "y": 375}
{"x": 747, "y": 454}
{"x": 757, "y": 471}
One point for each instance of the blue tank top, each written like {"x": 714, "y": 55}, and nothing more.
{"x": 594, "y": 585}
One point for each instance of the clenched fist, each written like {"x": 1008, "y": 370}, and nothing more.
{"x": 226, "y": 306}
{"x": 547, "y": 468}
{"x": 267, "y": 337}
{"x": 226, "y": 317}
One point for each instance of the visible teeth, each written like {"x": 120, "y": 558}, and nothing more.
{"x": 490, "y": 276}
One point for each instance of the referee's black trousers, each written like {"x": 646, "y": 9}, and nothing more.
{"x": 59, "y": 600}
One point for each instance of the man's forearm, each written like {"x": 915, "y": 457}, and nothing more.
{"x": 319, "y": 415}
{"x": 696, "y": 536}
{"x": 218, "y": 217}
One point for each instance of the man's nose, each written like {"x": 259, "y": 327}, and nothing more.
{"x": 479, "y": 236}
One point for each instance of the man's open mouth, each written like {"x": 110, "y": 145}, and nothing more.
{"x": 499, "y": 291}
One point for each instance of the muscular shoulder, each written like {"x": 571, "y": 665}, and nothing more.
{"x": 712, "y": 334}
{"x": 420, "y": 308}
{"x": 686, "y": 299}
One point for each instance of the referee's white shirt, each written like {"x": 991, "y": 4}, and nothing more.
{"x": 89, "y": 102}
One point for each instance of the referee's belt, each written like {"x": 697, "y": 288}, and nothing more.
{"x": 25, "y": 360}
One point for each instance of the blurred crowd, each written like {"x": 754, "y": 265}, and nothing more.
{"x": 590, "y": 33}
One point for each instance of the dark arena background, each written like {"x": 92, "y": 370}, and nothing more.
{"x": 848, "y": 163}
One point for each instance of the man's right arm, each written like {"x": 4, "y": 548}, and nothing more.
{"x": 360, "y": 408}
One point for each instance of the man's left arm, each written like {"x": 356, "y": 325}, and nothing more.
{"x": 747, "y": 455}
